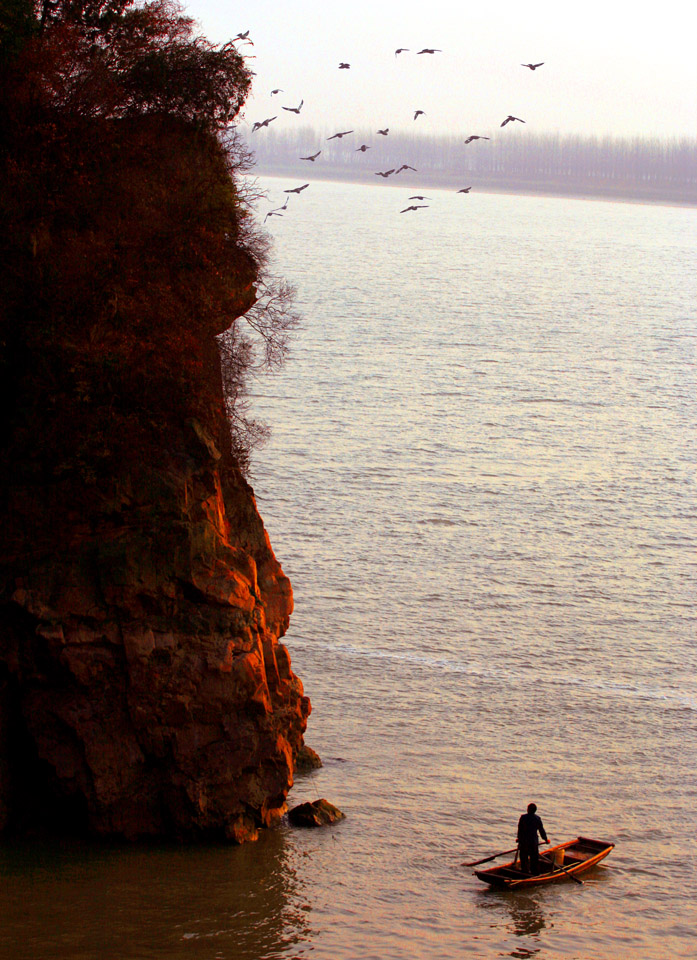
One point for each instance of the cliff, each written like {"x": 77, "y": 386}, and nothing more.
{"x": 143, "y": 688}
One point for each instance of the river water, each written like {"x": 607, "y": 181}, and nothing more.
{"x": 481, "y": 482}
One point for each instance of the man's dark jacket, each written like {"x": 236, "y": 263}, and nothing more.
{"x": 528, "y": 825}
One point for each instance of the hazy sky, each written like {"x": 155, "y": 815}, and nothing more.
{"x": 610, "y": 67}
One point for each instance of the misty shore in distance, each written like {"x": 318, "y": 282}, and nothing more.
{"x": 638, "y": 170}
{"x": 560, "y": 188}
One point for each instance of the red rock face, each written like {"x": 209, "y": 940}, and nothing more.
{"x": 143, "y": 687}
{"x": 145, "y": 691}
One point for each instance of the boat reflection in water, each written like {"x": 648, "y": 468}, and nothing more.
{"x": 522, "y": 918}
{"x": 528, "y": 921}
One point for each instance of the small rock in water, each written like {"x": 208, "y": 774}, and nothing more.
{"x": 317, "y": 813}
{"x": 307, "y": 759}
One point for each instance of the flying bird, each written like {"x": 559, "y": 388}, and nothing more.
{"x": 277, "y": 90}
{"x": 363, "y": 147}
{"x": 384, "y": 132}
{"x": 405, "y": 166}
{"x": 276, "y": 212}
{"x": 276, "y": 209}
{"x": 243, "y": 36}
{"x": 294, "y": 109}
{"x": 419, "y": 113}
{"x": 401, "y": 50}
{"x": 344, "y": 66}
{"x": 476, "y": 137}
{"x": 384, "y": 173}
{"x": 418, "y": 206}
{"x": 428, "y": 50}
{"x": 261, "y": 123}
{"x": 297, "y": 189}
{"x": 340, "y": 135}
{"x": 313, "y": 157}
{"x": 419, "y": 198}
{"x": 465, "y": 190}
{"x": 532, "y": 66}
{"x": 509, "y": 118}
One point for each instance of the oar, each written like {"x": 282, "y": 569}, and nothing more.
{"x": 566, "y": 871}
{"x": 503, "y": 853}
{"x": 475, "y": 863}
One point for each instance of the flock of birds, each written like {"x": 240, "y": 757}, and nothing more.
{"x": 260, "y": 124}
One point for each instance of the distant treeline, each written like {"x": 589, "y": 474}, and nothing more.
{"x": 641, "y": 166}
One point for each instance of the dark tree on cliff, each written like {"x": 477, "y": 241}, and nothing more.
{"x": 125, "y": 245}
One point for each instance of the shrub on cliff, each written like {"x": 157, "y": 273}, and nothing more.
{"x": 125, "y": 245}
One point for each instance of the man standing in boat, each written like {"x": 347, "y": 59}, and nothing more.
{"x": 528, "y": 827}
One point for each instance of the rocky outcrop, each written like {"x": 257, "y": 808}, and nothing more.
{"x": 315, "y": 813}
{"x": 307, "y": 759}
{"x": 144, "y": 688}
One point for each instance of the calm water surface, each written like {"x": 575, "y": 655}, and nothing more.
{"x": 481, "y": 482}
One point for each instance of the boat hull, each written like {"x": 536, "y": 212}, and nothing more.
{"x": 558, "y": 863}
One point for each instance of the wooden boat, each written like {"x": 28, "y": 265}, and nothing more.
{"x": 556, "y": 863}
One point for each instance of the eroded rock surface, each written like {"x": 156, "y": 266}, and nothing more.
{"x": 144, "y": 688}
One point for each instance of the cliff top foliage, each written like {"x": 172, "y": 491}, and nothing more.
{"x": 84, "y": 59}
{"x": 126, "y": 246}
